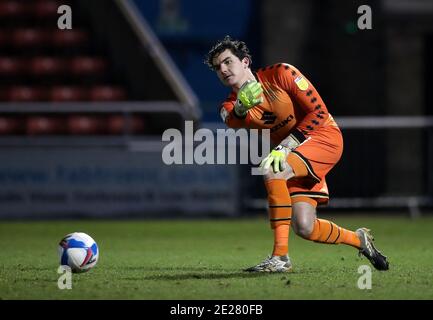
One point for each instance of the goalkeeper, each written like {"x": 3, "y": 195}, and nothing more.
{"x": 309, "y": 144}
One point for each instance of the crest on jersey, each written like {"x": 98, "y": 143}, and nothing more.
{"x": 301, "y": 83}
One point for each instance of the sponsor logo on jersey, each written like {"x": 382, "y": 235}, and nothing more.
{"x": 268, "y": 117}
{"x": 282, "y": 124}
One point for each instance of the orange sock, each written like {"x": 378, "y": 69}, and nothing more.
{"x": 328, "y": 232}
{"x": 281, "y": 240}
{"x": 280, "y": 213}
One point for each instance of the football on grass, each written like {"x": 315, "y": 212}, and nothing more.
{"x": 79, "y": 251}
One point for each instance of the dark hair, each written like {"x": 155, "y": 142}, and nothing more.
{"x": 238, "y": 48}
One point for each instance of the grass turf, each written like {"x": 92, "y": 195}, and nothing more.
{"x": 203, "y": 259}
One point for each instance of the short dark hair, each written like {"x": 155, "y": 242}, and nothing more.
{"x": 238, "y": 48}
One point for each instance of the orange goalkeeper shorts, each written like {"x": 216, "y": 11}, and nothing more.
{"x": 319, "y": 154}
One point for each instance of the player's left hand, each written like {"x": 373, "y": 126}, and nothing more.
{"x": 250, "y": 94}
{"x": 276, "y": 159}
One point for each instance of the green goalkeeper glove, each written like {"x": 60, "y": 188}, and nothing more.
{"x": 277, "y": 158}
{"x": 249, "y": 95}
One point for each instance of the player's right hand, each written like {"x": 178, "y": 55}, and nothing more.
{"x": 276, "y": 159}
{"x": 250, "y": 94}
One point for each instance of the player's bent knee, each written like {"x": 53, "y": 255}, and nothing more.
{"x": 303, "y": 228}
{"x": 303, "y": 218}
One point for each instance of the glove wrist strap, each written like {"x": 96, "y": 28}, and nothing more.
{"x": 293, "y": 140}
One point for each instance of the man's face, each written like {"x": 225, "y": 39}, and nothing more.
{"x": 230, "y": 70}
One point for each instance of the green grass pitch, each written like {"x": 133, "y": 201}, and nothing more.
{"x": 203, "y": 259}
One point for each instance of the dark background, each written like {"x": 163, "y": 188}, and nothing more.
{"x": 60, "y": 108}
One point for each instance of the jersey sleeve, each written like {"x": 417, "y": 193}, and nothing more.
{"x": 229, "y": 116}
{"x": 306, "y": 97}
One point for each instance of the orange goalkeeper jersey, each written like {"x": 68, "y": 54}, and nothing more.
{"x": 291, "y": 103}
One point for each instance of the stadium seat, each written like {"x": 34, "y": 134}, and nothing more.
{"x": 4, "y": 93}
{"x": 4, "y": 38}
{"x": 46, "y": 8}
{"x": 12, "y": 9}
{"x": 10, "y": 66}
{"x": 28, "y": 37}
{"x": 45, "y": 125}
{"x": 107, "y": 93}
{"x": 46, "y": 66}
{"x": 87, "y": 65}
{"x": 10, "y": 125}
{"x": 68, "y": 93}
{"x": 25, "y": 94}
{"x": 120, "y": 124}
{"x": 69, "y": 38}
{"x": 86, "y": 124}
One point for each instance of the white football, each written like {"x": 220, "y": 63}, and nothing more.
{"x": 79, "y": 251}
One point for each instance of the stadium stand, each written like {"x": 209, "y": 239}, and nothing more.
{"x": 43, "y": 69}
